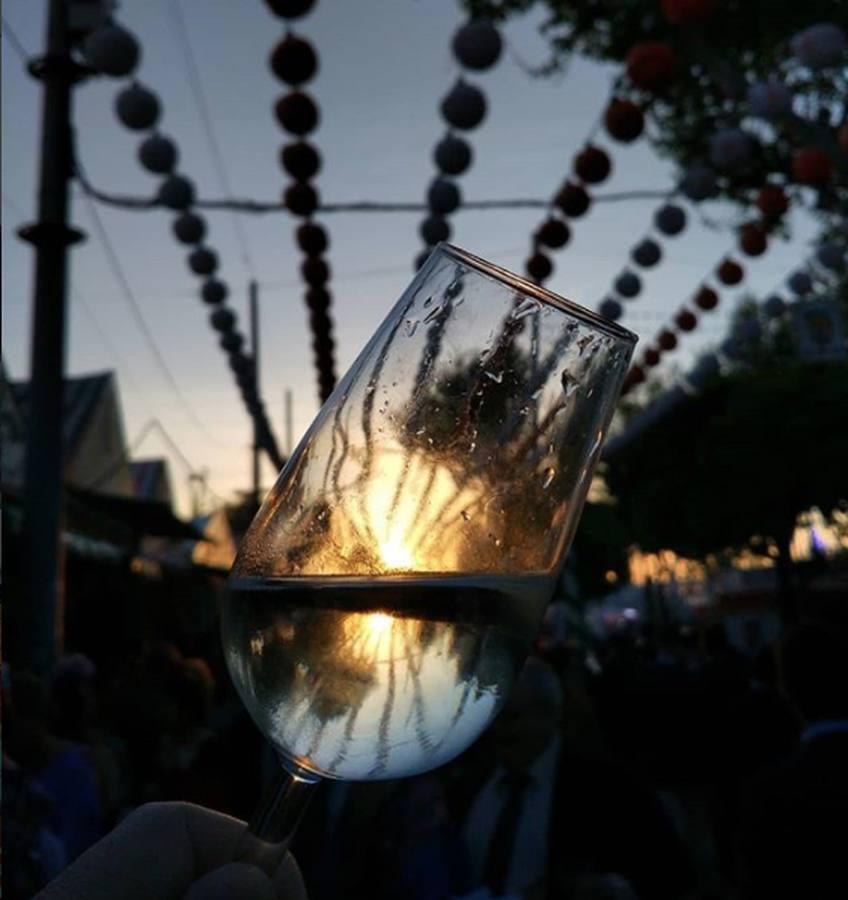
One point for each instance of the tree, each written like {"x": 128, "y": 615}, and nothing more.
{"x": 739, "y": 461}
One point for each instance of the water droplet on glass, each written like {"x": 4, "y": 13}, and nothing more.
{"x": 548, "y": 476}
{"x": 420, "y": 432}
{"x": 432, "y": 314}
{"x": 583, "y": 343}
{"x": 428, "y": 301}
{"x": 371, "y": 388}
{"x": 525, "y": 307}
{"x": 498, "y": 542}
{"x": 411, "y": 327}
{"x": 465, "y": 515}
{"x": 497, "y": 377}
{"x": 569, "y": 384}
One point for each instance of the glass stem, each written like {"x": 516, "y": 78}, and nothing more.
{"x": 274, "y": 822}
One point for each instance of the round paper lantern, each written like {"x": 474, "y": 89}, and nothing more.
{"x": 688, "y": 12}
{"x": 553, "y": 233}
{"x": 651, "y": 357}
{"x": 290, "y": 9}
{"x": 670, "y": 219}
{"x": 137, "y": 108}
{"x": 820, "y": 45}
{"x": 831, "y": 256}
{"x": 477, "y": 45}
{"x": 203, "y": 261}
{"x": 464, "y": 107}
{"x": 300, "y": 199}
{"x": 111, "y": 50}
{"x": 611, "y": 309}
{"x": 539, "y": 267}
{"x": 730, "y": 148}
{"x": 301, "y": 160}
{"x": 686, "y": 320}
{"x": 240, "y": 363}
{"x": 312, "y": 239}
{"x": 624, "y": 120}
{"x": 772, "y": 201}
{"x": 650, "y": 65}
{"x": 315, "y": 271}
{"x": 730, "y": 272}
{"x": 800, "y": 283}
{"x": 810, "y": 166}
{"x": 774, "y": 306}
{"x": 434, "y": 229}
{"x": 753, "y": 239}
{"x": 592, "y": 165}
{"x": 699, "y": 182}
{"x": 443, "y": 197}
{"x": 222, "y": 319}
{"x": 706, "y": 299}
{"x": 297, "y": 113}
{"x": 573, "y": 200}
{"x": 646, "y": 253}
{"x": 769, "y": 99}
{"x": 214, "y": 291}
{"x": 667, "y": 340}
{"x": 158, "y": 154}
{"x": 293, "y": 60}
{"x": 422, "y": 257}
{"x": 628, "y": 284}
{"x": 176, "y": 192}
{"x": 452, "y": 155}
{"x": 318, "y": 299}
{"x": 189, "y": 228}
{"x": 231, "y": 341}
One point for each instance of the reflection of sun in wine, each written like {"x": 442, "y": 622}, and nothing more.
{"x": 396, "y": 554}
{"x": 368, "y": 632}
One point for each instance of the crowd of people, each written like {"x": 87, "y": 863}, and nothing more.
{"x": 651, "y": 765}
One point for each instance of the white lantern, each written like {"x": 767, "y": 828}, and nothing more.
{"x": 158, "y": 154}
{"x": 176, "y": 192}
{"x": 452, "y": 155}
{"x": 769, "y": 99}
{"x": 698, "y": 182}
{"x": 628, "y": 284}
{"x": 670, "y": 219}
{"x": 443, "y": 196}
{"x": 819, "y": 46}
{"x": 464, "y": 107}
{"x": 214, "y": 291}
{"x": 730, "y": 148}
{"x": 611, "y": 309}
{"x": 189, "y": 228}
{"x": 477, "y": 45}
{"x": 800, "y": 283}
{"x": 646, "y": 253}
{"x": 203, "y": 261}
{"x": 112, "y": 50}
{"x": 137, "y": 107}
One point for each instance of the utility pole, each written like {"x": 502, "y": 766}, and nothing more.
{"x": 42, "y": 610}
{"x": 253, "y": 297}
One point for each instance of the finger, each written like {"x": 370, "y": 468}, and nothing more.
{"x": 232, "y": 880}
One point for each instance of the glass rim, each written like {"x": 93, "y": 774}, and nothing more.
{"x": 519, "y": 283}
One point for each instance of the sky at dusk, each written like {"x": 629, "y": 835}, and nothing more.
{"x": 385, "y": 65}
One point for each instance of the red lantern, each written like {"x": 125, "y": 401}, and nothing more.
{"x": 752, "y": 239}
{"x": 730, "y": 272}
{"x": 624, "y": 120}
{"x": 688, "y": 12}
{"x": 667, "y": 339}
{"x": 651, "y": 357}
{"x": 636, "y": 375}
{"x": 772, "y": 201}
{"x": 686, "y": 320}
{"x": 706, "y": 299}
{"x": 573, "y": 200}
{"x": 592, "y": 165}
{"x": 539, "y": 267}
{"x": 650, "y": 65}
{"x": 810, "y": 166}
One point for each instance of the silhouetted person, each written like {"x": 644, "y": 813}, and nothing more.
{"x": 794, "y": 827}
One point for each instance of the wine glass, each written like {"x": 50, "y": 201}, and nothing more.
{"x": 389, "y": 588}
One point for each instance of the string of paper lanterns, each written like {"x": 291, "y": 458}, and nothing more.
{"x": 294, "y": 62}
{"x": 114, "y": 51}
{"x": 476, "y": 46}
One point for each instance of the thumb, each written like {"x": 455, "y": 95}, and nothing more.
{"x": 232, "y": 880}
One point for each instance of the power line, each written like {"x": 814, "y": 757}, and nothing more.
{"x": 135, "y": 308}
{"x": 196, "y": 85}
{"x": 14, "y": 40}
